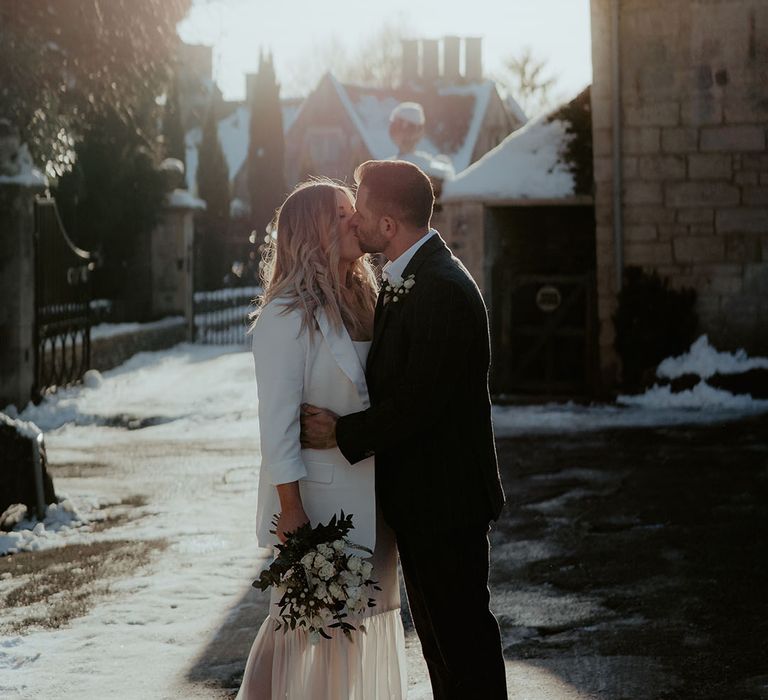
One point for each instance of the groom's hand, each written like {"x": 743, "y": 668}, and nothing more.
{"x": 318, "y": 427}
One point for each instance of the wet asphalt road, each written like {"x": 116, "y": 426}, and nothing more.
{"x": 627, "y": 565}
{"x": 632, "y": 564}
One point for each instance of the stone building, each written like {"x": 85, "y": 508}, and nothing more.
{"x": 522, "y": 220}
{"x": 680, "y": 123}
{"x": 341, "y": 125}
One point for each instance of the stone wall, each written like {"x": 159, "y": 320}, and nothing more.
{"x": 17, "y": 290}
{"x": 694, "y": 111}
{"x": 111, "y": 351}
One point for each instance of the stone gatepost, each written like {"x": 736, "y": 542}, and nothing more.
{"x": 20, "y": 183}
{"x": 172, "y": 249}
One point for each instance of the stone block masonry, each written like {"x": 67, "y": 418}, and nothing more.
{"x": 694, "y": 111}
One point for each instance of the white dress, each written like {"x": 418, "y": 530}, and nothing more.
{"x": 286, "y": 665}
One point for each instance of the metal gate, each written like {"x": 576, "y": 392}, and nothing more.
{"x": 221, "y": 316}
{"x": 543, "y": 333}
{"x": 62, "y": 298}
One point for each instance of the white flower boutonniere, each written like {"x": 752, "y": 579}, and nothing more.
{"x": 397, "y": 287}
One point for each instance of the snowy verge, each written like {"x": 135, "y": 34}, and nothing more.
{"x": 63, "y": 524}
{"x": 705, "y": 361}
{"x": 658, "y": 406}
{"x": 190, "y": 387}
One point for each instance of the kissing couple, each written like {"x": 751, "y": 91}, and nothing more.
{"x": 376, "y": 403}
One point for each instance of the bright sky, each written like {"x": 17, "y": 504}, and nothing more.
{"x": 556, "y": 30}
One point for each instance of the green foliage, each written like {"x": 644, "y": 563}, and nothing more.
{"x": 577, "y": 114}
{"x": 64, "y": 64}
{"x": 652, "y": 322}
{"x": 266, "y": 147}
{"x": 213, "y": 187}
{"x": 111, "y": 199}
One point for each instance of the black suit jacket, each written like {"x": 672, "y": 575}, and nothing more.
{"x": 429, "y": 423}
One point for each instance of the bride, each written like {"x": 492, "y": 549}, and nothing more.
{"x": 310, "y": 343}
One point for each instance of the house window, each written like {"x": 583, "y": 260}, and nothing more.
{"x": 326, "y": 144}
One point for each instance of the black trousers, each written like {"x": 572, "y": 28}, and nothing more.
{"x": 446, "y": 578}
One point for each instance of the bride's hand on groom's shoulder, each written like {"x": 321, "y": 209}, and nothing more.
{"x": 318, "y": 427}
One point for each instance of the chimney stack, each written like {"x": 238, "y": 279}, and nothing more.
{"x": 451, "y": 54}
{"x": 430, "y": 64}
{"x": 421, "y": 60}
{"x": 410, "y": 60}
{"x": 473, "y": 59}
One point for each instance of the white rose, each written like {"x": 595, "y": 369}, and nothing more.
{"x": 366, "y": 568}
{"x": 336, "y": 591}
{"x": 327, "y": 571}
{"x": 320, "y": 562}
{"x": 338, "y": 545}
{"x": 325, "y": 550}
{"x": 409, "y": 283}
{"x": 354, "y": 593}
{"x": 396, "y": 281}
{"x": 354, "y": 563}
{"x": 307, "y": 560}
{"x": 321, "y": 591}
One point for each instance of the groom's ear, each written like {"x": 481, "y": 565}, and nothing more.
{"x": 388, "y": 227}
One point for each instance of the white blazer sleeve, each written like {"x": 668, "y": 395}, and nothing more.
{"x": 279, "y": 352}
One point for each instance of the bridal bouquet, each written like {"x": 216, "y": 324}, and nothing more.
{"x": 322, "y": 584}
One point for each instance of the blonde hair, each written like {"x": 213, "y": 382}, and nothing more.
{"x": 301, "y": 263}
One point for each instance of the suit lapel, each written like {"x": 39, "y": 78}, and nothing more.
{"x": 343, "y": 351}
{"x": 383, "y": 311}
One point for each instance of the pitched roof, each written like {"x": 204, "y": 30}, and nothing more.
{"x": 534, "y": 162}
{"x": 454, "y": 117}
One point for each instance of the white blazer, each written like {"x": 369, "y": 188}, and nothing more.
{"x": 295, "y": 366}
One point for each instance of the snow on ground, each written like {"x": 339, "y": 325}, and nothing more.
{"x": 109, "y": 330}
{"x": 706, "y": 361}
{"x": 658, "y": 406}
{"x": 191, "y": 390}
{"x": 63, "y": 524}
{"x": 197, "y": 469}
{"x": 195, "y": 461}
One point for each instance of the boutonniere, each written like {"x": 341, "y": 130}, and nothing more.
{"x": 397, "y": 287}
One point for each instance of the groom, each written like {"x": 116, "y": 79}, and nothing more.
{"x": 429, "y": 425}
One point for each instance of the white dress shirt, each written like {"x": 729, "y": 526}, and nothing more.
{"x": 395, "y": 268}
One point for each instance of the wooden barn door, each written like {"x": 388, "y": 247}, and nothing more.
{"x": 543, "y": 305}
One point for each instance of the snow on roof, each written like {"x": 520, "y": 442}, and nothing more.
{"x": 517, "y": 111}
{"x": 527, "y": 164}
{"x": 454, "y": 116}
{"x": 182, "y": 199}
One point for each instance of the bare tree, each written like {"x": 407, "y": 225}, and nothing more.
{"x": 527, "y": 79}
{"x": 377, "y": 62}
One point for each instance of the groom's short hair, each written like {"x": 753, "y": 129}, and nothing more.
{"x": 397, "y": 188}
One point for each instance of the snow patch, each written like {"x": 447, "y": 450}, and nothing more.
{"x": 183, "y": 199}
{"x": 705, "y": 361}
{"x": 110, "y": 330}
{"x": 60, "y": 526}
{"x": 700, "y": 398}
{"x": 26, "y": 429}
